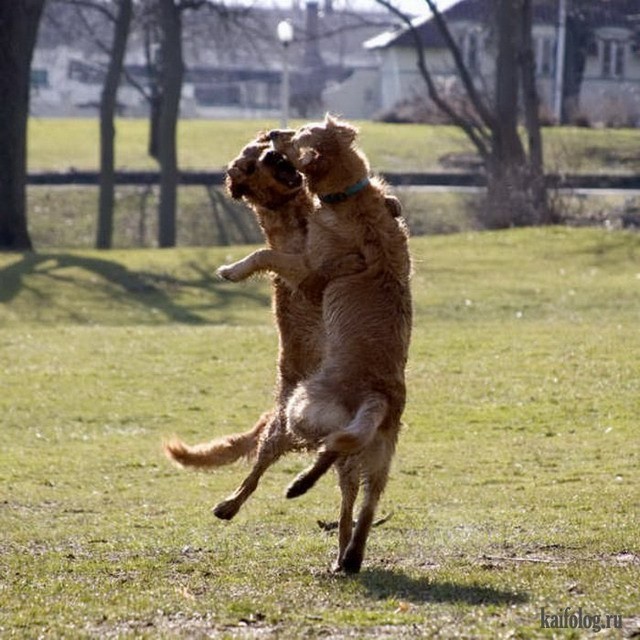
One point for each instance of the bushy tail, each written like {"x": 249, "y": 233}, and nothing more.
{"x": 362, "y": 429}
{"x": 218, "y": 452}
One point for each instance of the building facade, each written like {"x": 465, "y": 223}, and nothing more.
{"x": 601, "y": 79}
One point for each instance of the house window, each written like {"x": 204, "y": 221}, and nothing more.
{"x": 84, "y": 72}
{"x": 469, "y": 46}
{"x": 613, "y": 57}
{"x": 470, "y": 50}
{"x": 39, "y": 78}
{"x": 545, "y": 56}
{"x": 220, "y": 95}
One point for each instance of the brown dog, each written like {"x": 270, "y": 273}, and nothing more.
{"x": 354, "y": 402}
{"x": 270, "y": 184}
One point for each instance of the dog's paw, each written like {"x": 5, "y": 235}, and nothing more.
{"x": 352, "y": 560}
{"x": 226, "y": 509}
{"x": 336, "y": 567}
{"x": 299, "y": 486}
{"x": 228, "y": 272}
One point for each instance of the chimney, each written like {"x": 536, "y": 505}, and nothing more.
{"x": 312, "y": 57}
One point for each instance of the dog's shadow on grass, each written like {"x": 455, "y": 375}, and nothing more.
{"x": 383, "y": 583}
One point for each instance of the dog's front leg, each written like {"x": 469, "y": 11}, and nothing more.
{"x": 290, "y": 266}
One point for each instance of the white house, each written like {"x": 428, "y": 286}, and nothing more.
{"x": 601, "y": 81}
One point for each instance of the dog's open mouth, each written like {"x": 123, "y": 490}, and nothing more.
{"x": 283, "y": 171}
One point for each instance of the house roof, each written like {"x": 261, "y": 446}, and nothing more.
{"x": 597, "y": 12}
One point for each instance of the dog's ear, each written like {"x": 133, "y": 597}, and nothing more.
{"x": 235, "y": 187}
{"x": 345, "y": 132}
{"x": 308, "y": 155}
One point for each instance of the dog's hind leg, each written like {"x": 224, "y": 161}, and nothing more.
{"x": 307, "y": 478}
{"x": 277, "y": 442}
{"x": 375, "y": 465}
{"x": 349, "y": 477}
{"x": 351, "y": 561}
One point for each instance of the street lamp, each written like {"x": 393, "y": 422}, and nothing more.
{"x": 285, "y": 35}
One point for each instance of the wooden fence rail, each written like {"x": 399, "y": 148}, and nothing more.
{"x": 405, "y": 179}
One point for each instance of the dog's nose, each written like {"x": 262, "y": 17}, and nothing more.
{"x": 281, "y": 134}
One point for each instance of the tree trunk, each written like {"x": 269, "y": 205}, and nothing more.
{"x": 575, "y": 59}
{"x": 506, "y": 170}
{"x": 19, "y": 20}
{"x": 171, "y": 73}
{"x": 155, "y": 104}
{"x": 540, "y": 210}
{"x": 107, "y": 129}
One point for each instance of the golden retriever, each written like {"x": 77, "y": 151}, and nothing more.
{"x": 270, "y": 184}
{"x": 354, "y": 401}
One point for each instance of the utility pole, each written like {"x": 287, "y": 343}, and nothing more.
{"x": 558, "y": 88}
{"x": 285, "y": 35}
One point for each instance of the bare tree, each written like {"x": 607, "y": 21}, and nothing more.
{"x": 120, "y": 22}
{"x": 516, "y": 193}
{"x": 19, "y": 21}
{"x": 171, "y": 75}
{"x": 108, "y": 105}
{"x": 164, "y": 22}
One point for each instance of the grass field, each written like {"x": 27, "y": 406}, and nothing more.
{"x": 57, "y": 145}
{"x": 515, "y": 485}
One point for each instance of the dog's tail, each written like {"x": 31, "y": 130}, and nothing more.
{"x": 362, "y": 429}
{"x": 218, "y": 452}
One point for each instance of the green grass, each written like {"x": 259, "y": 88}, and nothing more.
{"x": 206, "y": 144}
{"x": 515, "y": 485}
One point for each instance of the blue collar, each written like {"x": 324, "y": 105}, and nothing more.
{"x": 341, "y": 196}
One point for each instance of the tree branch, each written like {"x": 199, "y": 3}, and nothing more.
{"x": 467, "y": 81}
{"x": 100, "y": 7}
{"x": 474, "y": 133}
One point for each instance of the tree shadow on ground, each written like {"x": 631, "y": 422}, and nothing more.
{"x": 612, "y": 249}
{"x": 154, "y": 290}
{"x": 384, "y": 583}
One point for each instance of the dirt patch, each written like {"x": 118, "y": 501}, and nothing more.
{"x": 622, "y": 559}
{"x": 192, "y": 625}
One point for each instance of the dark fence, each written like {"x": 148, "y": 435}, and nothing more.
{"x": 405, "y": 179}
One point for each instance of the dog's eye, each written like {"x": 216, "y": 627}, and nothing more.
{"x": 251, "y": 168}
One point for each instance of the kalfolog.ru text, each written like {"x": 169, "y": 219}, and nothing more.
{"x": 567, "y": 618}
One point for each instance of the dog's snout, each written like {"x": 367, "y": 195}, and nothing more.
{"x": 274, "y": 134}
